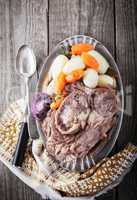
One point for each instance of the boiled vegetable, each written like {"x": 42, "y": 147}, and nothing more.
{"x": 73, "y": 64}
{"x": 66, "y": 51}
{"x": 90, "y": 61}
{"x": 55, "y": 104}
{"x": 90, "y": 78}
{"x": 60, "y": 83}
{"x": 51, "y": 88}
{"x": 57, "y": 66}
{"x": 78, "y": 49}
{"x": 103, "y": 64}
{"x": 40, "y": 105}
{"x": 74, "y": 76}
{"x": 106, "y": 80}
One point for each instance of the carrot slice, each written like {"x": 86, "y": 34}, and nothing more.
{"x": 56, "y": 104}
{"x": 74, "y": 76}
{"x": 90, "y": 61}
{"x": 78, "y": 49}
{"x": 60, "y": 83}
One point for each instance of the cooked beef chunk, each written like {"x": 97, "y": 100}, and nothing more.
{"x": 105, "y": 102}
{"x": 83, "y": 119}
{"x": 73, "y": 113}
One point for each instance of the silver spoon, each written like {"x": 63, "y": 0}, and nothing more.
{"x": 26, "y": 67}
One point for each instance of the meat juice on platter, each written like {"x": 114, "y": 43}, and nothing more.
{"x": 78, "y": 106}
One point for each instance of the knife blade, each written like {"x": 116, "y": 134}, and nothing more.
{"x": 32, "y": 128}
{"x": 21, "y": 146}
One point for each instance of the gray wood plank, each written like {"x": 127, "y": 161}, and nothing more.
{"x": 126, "y": 51}
{"x": 94, "y": 18}
{"x": 20, "y": 22}
{"x": 63, "y": 20}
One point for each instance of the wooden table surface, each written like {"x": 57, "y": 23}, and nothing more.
{"x": 44, "y": 23}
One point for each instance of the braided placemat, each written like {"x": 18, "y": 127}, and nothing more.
{"x": 40, "y": 168}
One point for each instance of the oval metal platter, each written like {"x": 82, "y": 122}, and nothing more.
{"x": 103, "y": 148}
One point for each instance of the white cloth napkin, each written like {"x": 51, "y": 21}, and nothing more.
{"x": 40, "y": 188}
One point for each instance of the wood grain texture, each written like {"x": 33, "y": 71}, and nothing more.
{"x": 94, "y": 18}
{"x": 126, "y": 51}
{"x": 21, "y": 22}
{"x": 63, "y": 20}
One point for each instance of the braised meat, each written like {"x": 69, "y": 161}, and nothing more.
{"x": 105, "y": 102}
{"x": 73, "y": 113}
{"x": 83, "y": 119}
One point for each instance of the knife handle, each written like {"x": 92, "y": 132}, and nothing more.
{"x": 19, "y": 153}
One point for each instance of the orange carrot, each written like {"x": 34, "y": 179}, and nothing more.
{"x": 60, "y": 83}
{"x": 55, "y": 105}
{"x": 78, "y": 49}
{"x": 64, "y": 93}
{"x": 74, "y": 76}
{"x": 90, "y": 61}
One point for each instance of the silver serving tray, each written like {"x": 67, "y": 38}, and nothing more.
{"x": 103, "y": 148}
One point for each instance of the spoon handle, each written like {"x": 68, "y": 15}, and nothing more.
{"x": 18, "y": 156}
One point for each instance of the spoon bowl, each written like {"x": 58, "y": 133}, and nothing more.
{"x": 25, "y": 62}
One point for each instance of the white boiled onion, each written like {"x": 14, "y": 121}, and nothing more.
{"x": 105, "y": 80}
{"x": 90, "y": 78}
{"x": 51, "y": 88}
{"x": 73, "y": 64}
{"x": 103, "y": 64}
{"x": 57, "y": 66}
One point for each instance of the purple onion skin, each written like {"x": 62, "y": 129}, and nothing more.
{"x": 40, "y": 105}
